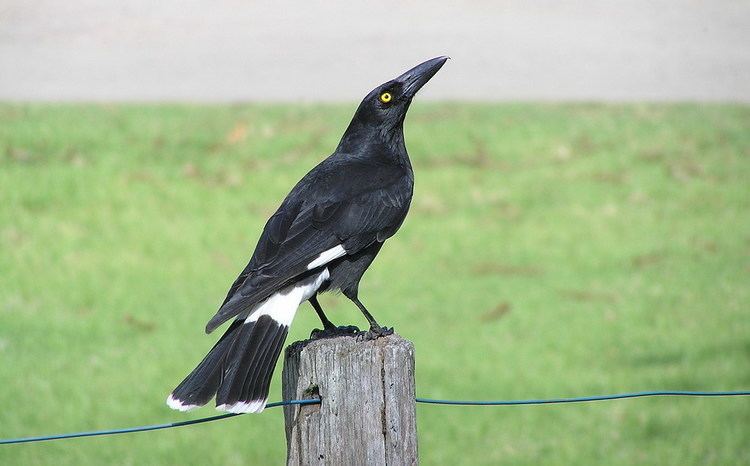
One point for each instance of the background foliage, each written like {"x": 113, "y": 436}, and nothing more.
{"x": 551, "y": 250}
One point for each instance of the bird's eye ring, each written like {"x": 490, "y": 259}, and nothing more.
{"x": 386, "y": 97}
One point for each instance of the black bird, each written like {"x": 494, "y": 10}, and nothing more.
{"x": 323, "y": 237}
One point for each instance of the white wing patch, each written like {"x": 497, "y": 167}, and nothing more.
{"x": 282, "y": 305}
{"x": 327, "y": 256}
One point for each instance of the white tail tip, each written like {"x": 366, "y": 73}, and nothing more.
{"x": 174, "y": 403}
{"x": 255, "y": 406}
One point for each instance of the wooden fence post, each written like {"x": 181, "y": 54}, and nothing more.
{"x": 367, "y": 415}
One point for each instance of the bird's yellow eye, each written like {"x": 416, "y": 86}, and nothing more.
{"x": 386, "y": 97}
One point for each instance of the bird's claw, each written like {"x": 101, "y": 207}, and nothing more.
{"x": 330, "y": 332}
{"x": 376, "y": 332}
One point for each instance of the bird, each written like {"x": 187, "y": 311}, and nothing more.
{"x": 323, "y": 237}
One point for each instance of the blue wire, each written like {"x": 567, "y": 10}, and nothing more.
{"x": 579, "y": 399}
{"x": 128, "y": 430}
{"x": 419, "y": 400}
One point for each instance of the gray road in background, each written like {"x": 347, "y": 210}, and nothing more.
{"x": 230, "y": 50}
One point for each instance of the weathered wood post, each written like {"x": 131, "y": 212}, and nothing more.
{"x": 367, "y": 415}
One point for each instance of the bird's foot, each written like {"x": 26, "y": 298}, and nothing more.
{"x": 333, "y": 331}
{"x": 376, "y": 332}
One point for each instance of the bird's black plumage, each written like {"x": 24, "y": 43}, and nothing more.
{"x": 323, "y": 237}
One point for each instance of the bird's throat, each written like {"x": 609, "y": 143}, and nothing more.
{"x": 380, "y": 142}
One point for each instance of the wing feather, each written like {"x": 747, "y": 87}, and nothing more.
{"x": 334, "y": 206}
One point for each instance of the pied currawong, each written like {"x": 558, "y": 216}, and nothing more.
{"x": 323, "y": 237}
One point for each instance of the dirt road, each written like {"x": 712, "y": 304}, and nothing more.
{"x": 228, "y": 50}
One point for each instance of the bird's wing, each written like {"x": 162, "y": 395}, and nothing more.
{"x": 336, "y": 211}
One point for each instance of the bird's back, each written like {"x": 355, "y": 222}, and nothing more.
{"x": 349, "y": 199}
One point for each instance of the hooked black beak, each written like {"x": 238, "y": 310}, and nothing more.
{"x": 418, "y": 76}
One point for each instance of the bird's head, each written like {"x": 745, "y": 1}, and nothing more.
{"x": 385, "y": 106}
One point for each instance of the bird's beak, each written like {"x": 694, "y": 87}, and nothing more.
{"x": 418, "y": 76}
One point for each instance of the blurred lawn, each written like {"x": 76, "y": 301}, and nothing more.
{"x": 551, "y": 250}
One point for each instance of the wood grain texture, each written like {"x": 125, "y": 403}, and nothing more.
{"x": 367, "y": 415}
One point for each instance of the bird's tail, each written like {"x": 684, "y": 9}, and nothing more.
{"x": 239, "y": 367}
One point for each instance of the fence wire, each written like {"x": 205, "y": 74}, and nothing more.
{"x": 583, "y": 399}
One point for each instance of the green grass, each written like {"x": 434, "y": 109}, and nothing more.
{"x": 551, "y": 250}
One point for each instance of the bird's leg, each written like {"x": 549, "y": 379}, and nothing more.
{"x": 329, "y": 329}
{"x": 327, "y": 324}
{"x": 375, "y": 329}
